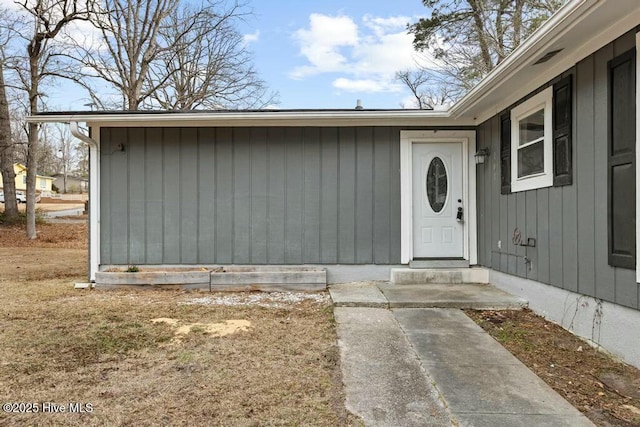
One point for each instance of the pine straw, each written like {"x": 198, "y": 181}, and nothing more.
{"x": 603, "y": 388}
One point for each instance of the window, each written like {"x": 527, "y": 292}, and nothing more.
{"x": 24, "y": 179}
{"x": 531, "y": 138}
{"x": 437, "y": 184}
{"x": 535, "y": 140}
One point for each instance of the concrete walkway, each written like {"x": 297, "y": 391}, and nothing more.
{"x": 435, "y": 366}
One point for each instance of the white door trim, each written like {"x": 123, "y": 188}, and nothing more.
{"x": 468, "y": 140}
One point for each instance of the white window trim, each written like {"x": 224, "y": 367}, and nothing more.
{"x": 544, "y": 100}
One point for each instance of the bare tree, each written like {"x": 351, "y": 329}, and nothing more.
{"x": 164, "y": 54}
{"x": 67, "y": 154}
{"x": 6, "y": 152}
{"x": 81, "y": 165}
{"x": 7, "y": 148}
{"x": 428, "y": 91}
{"x": 45, "y": 19}
{"x": 129, "y": 44}
{"x": 468, "y": 38}
{"x": 210, "y": 66}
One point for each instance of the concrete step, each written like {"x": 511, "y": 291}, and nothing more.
{"x": 424, "y": 276}
{"x": 439, "y": 263}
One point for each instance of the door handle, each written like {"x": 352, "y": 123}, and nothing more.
{"x": 459, "y": 216}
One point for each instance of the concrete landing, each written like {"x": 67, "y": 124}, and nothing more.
{"x": 382, "y": 294}
{"x": 436, "y": 367}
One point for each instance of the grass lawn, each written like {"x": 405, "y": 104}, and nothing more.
{"x": 261, "y": 361}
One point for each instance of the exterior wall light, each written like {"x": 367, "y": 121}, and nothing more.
{"x": 481, "y": 155}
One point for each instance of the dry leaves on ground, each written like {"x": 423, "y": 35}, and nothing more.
{"x": 603, "y": 388}
{"x": 67, "y": 236}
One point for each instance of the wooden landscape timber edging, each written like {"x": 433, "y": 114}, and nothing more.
{"x": 274, "y": 279}
{"x": 261, "y": 278}
{"x": 154, "y": 279}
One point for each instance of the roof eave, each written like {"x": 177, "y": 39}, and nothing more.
{"x": 266, "y": 118}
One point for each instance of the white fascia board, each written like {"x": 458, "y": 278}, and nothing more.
{"x": 262, "y": 118}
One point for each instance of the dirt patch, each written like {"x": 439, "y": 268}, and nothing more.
{"x": 603, "y": 388}
{"x": 221, "y": 329}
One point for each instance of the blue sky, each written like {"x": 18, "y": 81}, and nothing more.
{"x": 328, "y": 54}
{"x": 316, "y": 53}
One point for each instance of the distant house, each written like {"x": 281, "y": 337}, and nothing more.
{"x": 532, "y": 176}
{"x": 75, "y": 184}
{"x": 43, "y": 183}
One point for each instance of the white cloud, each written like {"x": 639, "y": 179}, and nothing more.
{"x": 385, "y": 54}
{"x": 85, "y": 34}
{"x": 381, "y": 26}
{"x": 366, "y": 85}
{"x": 321, "y": 44}
{"x": 10, "y": 5}
{"x": 250, "y": 38}
{"x": 365, "y": 54}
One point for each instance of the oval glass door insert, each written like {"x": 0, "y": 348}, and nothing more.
{"x": 437, "y": 184}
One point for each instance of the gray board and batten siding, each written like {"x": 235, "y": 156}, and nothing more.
{"x": 256, "y": 195}
{"x": 569, "y": 222}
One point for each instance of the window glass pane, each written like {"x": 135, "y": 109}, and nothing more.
{"x": 531, "y": 159}
{"x": 532, "y": 127}
{"x": 437, "y": 185}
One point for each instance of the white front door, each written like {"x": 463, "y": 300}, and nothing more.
{"x": 438, "y": 210}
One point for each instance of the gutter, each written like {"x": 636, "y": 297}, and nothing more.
{"x": 254, "y": 118}
{"x": 94, "y": 198}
